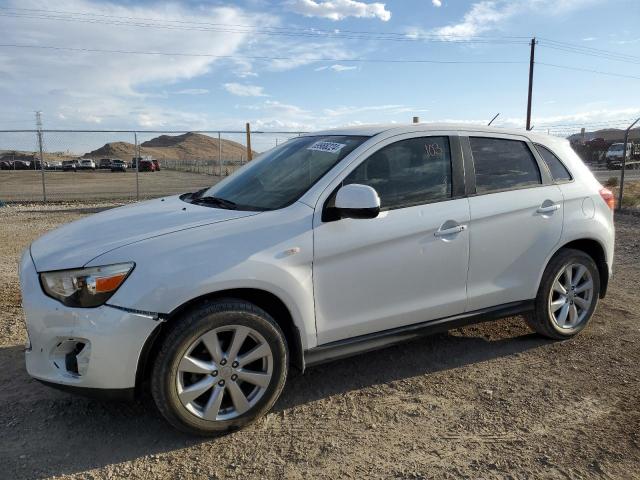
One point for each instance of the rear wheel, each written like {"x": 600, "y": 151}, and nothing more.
{"x": 221, "y": 367}
{"x": 568, "y": 295}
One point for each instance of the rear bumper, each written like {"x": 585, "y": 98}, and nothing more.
{"x": 92, "y": 348}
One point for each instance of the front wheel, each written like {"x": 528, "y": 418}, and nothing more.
{"x": 220, "y": 367}
{"x": 568, "y": 295}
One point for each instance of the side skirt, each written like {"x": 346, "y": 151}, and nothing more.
{"x": 373, "y": 341}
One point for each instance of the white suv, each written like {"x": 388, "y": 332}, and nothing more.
{"x": 331, "y": 244}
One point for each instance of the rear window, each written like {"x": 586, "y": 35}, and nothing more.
{"x": 503, "y": 164}
{"x": 558, "y": 171}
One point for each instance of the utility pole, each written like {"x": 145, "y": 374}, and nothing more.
{"x": 624, "y": 161}
{"x": 136, "y": 152}
{"x": 249, "y": 154}
{"x": 531, "y": 63}
{"x": 220, "y": 152}
{"x": 39, "y": 129}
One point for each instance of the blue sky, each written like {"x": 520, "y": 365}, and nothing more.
{"x": 80, "y": 89}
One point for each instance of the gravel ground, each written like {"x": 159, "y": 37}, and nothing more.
{"x": 488, "y": 401}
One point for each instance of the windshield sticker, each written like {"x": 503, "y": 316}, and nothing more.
{"x": 328, "y": 147}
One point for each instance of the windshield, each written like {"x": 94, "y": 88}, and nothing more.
{"x": 280, "y": 176}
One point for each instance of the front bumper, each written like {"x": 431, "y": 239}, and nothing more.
{"x": 94, "y": 348}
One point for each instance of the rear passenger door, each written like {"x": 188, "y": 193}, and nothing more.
{"x": 516, "y": 219}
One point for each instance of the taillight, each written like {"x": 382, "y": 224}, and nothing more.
{"x": 609, "y": 199}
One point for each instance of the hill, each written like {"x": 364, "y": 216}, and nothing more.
{"x": 609, "y": 135}
{"x": 188, "y": 146}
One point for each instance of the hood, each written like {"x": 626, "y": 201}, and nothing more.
{"x": 75, "y": 244}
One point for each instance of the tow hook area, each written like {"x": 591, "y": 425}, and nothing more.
{"x": 71, "y": 355}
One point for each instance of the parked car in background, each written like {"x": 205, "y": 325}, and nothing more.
{"x": 105, "y": 163}
{"x": 134, "y": 160}
{"x": 334, "y": 243}
{"x": 70, "y": 165}
{"x": 35, "y": 165}
{"x": 156, "y": 164}
{"x": 87, "y": 164}
{"x": 614, "y": 155}
{"x": 21, "y": 165}
{"x": 54, "y": 165}
{"x": 118, "y": 165}
{"x": 147, "y": 166}
{"x": 6, "y": 165}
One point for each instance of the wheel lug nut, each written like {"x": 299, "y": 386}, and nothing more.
{"x": 214, "y": 373}
{"x": 221, "y": 383}
{"x": 223, "y": 362}
{"x": 235, "y": 364}
{"x": 234, "y": 377}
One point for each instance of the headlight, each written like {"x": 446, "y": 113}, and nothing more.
{"x": 85, "y": 287}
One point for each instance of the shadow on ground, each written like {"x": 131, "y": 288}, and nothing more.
{"x": 88, "y": 433}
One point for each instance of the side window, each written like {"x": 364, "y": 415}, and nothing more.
{"x": 559, "y": 172}
{"x": 408, "y": 172}
{"x": 503, "y": 164}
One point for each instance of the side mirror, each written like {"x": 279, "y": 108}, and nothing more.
{"x": 357, "y": 201}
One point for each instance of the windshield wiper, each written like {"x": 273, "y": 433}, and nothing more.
{"x": 220, "y": 202}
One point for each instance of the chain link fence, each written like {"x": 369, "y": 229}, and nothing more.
{"x": 88, "y": 166}
{"x": 611, "y": 149}
{"x": 79, "y": 165}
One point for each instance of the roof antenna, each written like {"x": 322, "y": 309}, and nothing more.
{"x": 496, "y": 116}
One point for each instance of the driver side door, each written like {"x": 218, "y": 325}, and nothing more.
{"x": 409, "y": 264}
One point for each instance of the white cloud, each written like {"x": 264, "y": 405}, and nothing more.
{"x": 339, "y": 9}
{"x": 73, "y": 88}
{"x": 386, "y": 109}
{"x": 437, "y": 3}
{"x": 192, "y": 91}
{"x": 336, "y": 68}
{"x": 486, "y": 15}
{"x": 244, "y": 90}
{"x": 481, "y": 17}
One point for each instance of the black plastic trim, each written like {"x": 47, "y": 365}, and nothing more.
{"x": 361, "y": 213}
{"x": 457, "y": 167}
{"x": 469, "y": 168}
{"x": 127, "y": 394}
{"x": 373, "y": 341}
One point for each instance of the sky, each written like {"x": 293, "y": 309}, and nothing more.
{"x": 313, "y": 64}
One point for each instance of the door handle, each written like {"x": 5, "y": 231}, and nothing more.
{"x": 450, "y": 231}
{"x": 549, "y": 208}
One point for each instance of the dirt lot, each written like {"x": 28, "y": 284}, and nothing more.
{"x": 18, "y": 186}
{"x": 488, "y": 401}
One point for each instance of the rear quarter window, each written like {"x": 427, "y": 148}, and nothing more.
{"x": 558, "y": 171}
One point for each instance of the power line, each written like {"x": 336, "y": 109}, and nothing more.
{"x": 620, "y": 58}
{"x": 322, "y": 59}
{"x": 278, "y": 31}
{"x": 47, "y": 15}
{"x": 585, "y": 48}
{"x": 579, "y": 69}
{"x": 247, "y": 57}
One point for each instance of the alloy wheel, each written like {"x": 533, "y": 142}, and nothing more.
{"x": 571, "y": 296}
{"x": 224, "y": 373}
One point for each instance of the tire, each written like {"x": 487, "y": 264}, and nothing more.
{"x": 219, "y": 408}
{"x": 548, "y": 318}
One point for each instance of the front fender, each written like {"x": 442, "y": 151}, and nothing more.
{"x": 272, "y": 251}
